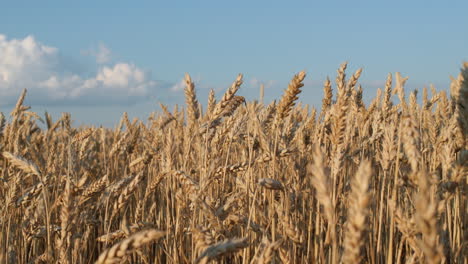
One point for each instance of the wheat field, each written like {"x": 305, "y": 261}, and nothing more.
{"x": 243, "y": 181}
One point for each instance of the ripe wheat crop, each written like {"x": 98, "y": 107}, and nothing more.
{"x": 244, "y": 182}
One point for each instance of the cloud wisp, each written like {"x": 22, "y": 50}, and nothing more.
{"x": 102, "y": 54}
{"x": 27, "y": 63}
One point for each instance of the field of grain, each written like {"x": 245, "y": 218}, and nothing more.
{"x": 244, "y": 181}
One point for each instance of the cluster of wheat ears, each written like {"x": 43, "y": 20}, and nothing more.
{"x": 244, "y": 182}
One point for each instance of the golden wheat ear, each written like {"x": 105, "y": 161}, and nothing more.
{"x": 116, "y": 253}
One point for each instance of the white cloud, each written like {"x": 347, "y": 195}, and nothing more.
{"x": 103, "y": 54}
{"x": 120, "y": 80}
{"x": 180, "y": 86}
{"x": 27, "y": 63}
{"x": 255, "y": 83}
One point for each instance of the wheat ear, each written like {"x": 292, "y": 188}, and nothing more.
{"x": 116, "y": 253}
{"x": 357, "y": 215}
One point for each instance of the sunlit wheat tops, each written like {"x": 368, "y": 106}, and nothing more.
{"x": 237, "y": 181}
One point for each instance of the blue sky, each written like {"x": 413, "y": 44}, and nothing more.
{"x": 97, "y": 59}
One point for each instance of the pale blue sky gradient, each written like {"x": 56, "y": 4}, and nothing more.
{"x": 267, "y": 41}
